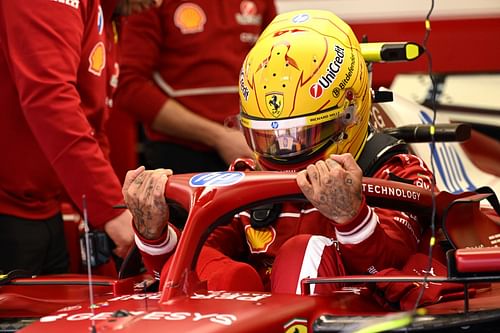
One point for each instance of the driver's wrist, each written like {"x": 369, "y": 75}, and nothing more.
{"x": 152, "y": 235}
{"x": 161, "y": 246}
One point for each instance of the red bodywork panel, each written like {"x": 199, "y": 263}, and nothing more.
{"x": 209, "y": 312}
{"x": 184, "y": 305}
{"x": 38, "y": 296}
{"x": 486, "y": 259}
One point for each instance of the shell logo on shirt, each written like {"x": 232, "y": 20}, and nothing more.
{"x": 190, "y": 18}
{"x": 97, "y": 59}
{"x": 260, "y": 239}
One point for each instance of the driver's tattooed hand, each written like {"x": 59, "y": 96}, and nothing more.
{"x": 333, "y": 186}
{"x": 143, "y": 192}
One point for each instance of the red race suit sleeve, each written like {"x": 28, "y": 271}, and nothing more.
{"x": 193, "y": 63}
{"x": 379, "y": 238}
{"x": 54, "y": 98}
{"x": 137, "y": 94}
{"x": 155, "y": 253}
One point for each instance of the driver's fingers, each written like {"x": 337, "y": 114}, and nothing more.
{"x": 324, "y": 171}
{"x": 348, "y": 163}
{"x": 303, "y": 182}
{"x": 158, "y": 181}
{"x": 333, "y": 165}
{"x": 130, "y": 177}
{"x": 313, "y": 174}
{"x": 146, "y": 184}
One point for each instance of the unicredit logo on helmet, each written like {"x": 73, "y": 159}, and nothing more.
{"x": 333, "y": 68}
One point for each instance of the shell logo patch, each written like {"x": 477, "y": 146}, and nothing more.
{"x": 274, "y": 103}
{"x": 97, "y": 59}
{"x": 260, "y": 239}
{"x": 296, "y": 326}
{"x": 190, "y": 18}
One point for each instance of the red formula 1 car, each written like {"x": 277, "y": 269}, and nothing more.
{"x": 64, "y": 304}
{"x": 467, "y": 215}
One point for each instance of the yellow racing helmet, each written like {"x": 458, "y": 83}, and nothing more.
{"x": 304, "y": 91}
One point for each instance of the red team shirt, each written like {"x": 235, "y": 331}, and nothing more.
{"x": 195, "y": 51}
{"x": 57, "y": 73}
{"x": 372, "y": 241}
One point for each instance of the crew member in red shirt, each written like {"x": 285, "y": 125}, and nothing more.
{"x": 58, "y": 74}
{"x": 179, "y": 76}
{"x": 305, "y": 106}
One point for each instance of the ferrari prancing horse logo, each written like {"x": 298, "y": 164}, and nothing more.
{"x": 296, "y": 325}
{"x": 274, "y": 103}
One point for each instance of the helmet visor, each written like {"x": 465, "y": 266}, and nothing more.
{"x": 280, "y": 139}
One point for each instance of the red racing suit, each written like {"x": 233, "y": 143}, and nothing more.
{"x": 373, "y": 240}
{"x": 57, "y": 75}
{"x": 191, "y": 51}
